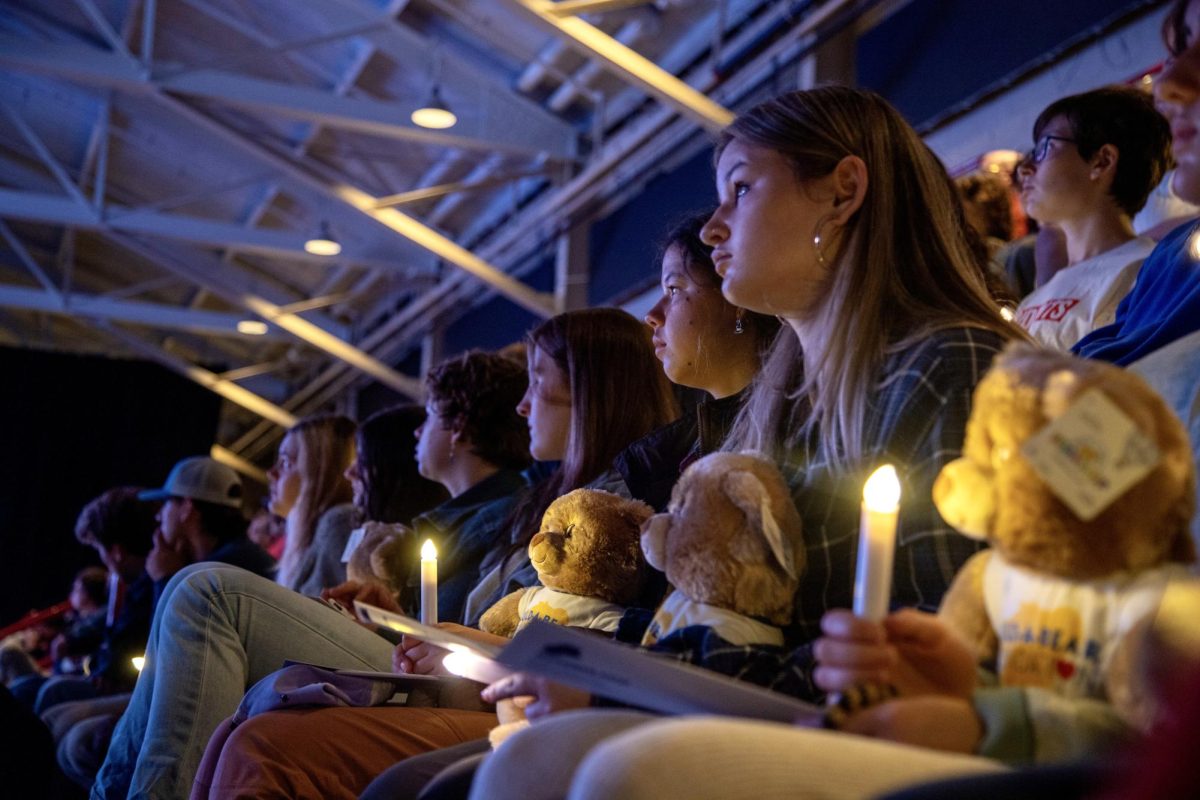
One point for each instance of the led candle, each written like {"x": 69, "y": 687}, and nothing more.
{"x": 428, "y": 583}
{"x": 877, "y": 543}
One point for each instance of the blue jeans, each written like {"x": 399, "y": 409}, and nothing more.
{"x": 217, "y": 630}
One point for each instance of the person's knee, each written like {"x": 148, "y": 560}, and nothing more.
{"x": 198, "y": 585}
{"x": 632, "y": 765}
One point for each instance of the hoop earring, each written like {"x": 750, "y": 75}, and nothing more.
{"x": 816, "y": 240}
{"x": 738, "y": 327}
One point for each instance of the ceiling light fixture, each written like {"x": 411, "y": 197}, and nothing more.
{"x": 252, "y": 327}
{"x": 323, "y": 244}
{"x": 435, "y": 113}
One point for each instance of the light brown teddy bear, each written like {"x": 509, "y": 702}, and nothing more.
{"x": 730, "y": 544}
{"x": 588, "y": 560}
{"x": 386, "y": 554}
{"x": 1049, "y": 605}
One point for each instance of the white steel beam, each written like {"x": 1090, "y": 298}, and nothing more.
{"x": 299, "y": 327}
{"x": 209, "y": 380}
{"x": 56, "y": 210}
{"x": 152, "y": 315}
{"x": 530, "y": 299}
{"x": 44, "y": 154}
{"x": 629, "y": 65}
{"x": 407, "y": 227}
{"x": 566, "y": 8}
{"x": 29, "y": 261}
{"x": 232, "y": 459}
{"x": 476, "y": 129}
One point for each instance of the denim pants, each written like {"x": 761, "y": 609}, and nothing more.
{"x": 217, "y": 630}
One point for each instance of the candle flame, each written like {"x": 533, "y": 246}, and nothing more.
{"x": 882, "y": 490}
{"x": 138, "y": 662}
{"x": 428, "y": 551}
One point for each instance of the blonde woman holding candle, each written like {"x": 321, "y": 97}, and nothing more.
{"x": 834, "y": 216}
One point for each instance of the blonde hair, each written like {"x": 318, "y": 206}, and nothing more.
{"x": 902, "y": 271}
{"x": 325, "y": 446}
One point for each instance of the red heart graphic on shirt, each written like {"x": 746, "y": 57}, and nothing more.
{"x": 1065, "y": 669}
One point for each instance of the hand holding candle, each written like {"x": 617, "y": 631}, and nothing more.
{"x": 429, "y": 615}
{"x": 877, "y": 544}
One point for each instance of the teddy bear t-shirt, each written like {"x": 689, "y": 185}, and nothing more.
{"x": 561, "y": 608}
{"x": 678, "y": 612}
{"x": 1060, "y": 635}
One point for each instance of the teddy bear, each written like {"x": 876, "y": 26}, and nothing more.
{"x": 1075, "y": 559}
{"x": 589, "y": 563}
{"x": 385, "y": 554}
{"x": 730, "y": 544}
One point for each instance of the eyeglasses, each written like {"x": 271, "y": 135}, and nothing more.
{"x": 1042, "y": 149}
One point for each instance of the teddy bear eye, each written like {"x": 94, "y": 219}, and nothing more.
{"x": 567, "y": 532}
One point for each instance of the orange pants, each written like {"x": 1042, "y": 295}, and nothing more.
{"x": 327, "y": 752}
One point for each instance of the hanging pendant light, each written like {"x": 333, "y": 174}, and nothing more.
{"x": 323, "y": 244}
{"x": 435, "y": 113}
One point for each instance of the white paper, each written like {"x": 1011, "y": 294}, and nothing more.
{"x": 1091, "y": 454}
{"x": 356, "y": 537}
{"x": 630, "y": 675}
{"x": 426, "y": 633}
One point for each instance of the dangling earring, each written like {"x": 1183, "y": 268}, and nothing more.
{"x": 738, "y": 327}
{"x": 816, "y": 240}
{"x": 452, "y": 443}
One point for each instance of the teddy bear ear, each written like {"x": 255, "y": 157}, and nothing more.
{"x": 747, "y": 492}
{"x": 1060, "y": 390}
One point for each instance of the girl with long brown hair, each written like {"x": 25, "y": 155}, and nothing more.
{"x": 309, "y": 489}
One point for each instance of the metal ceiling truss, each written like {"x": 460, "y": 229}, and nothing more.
{"x": 542, "y": 222}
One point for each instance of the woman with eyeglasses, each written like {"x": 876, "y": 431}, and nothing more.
{"x": 1096, "y": 158}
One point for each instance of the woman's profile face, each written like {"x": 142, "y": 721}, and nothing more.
{"x": 762, "y": 232}
{"x": 547, "y": 408}
{"x": 693, "y": 325}
{"x": 358, "y": 481}
{"x": 283, "y": 478}
{"x": 1177, "y": 92}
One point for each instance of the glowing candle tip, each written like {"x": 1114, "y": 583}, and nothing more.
{"x": 882, "y": 490}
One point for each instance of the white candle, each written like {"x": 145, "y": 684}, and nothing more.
{"x": 428, "y": 583}
{"x": 877, "y": 543}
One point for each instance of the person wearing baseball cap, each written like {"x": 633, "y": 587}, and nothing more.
{"x": 201, "y": 520}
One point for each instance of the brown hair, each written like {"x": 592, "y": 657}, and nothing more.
{"x": 476, "y": 394}
{"x": 326, "y": 448}
{"x": 903, "y": 269}
{"x": 118, "y": 517}
{"x": 1126, "y": 118}
{"x": 697, "y": 260}
{"x": 395, "y": 490}
{"x": 618, "y": 395}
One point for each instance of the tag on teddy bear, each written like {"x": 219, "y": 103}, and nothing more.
{"x": 1091, "y": 454}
